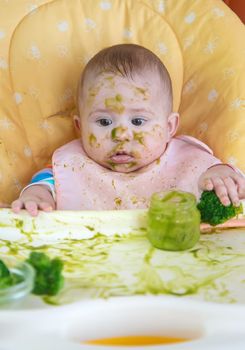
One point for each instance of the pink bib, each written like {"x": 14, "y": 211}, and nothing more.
{"x": 82, "y": 184}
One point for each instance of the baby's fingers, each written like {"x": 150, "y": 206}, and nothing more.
{"x": 231, "y": 188}
{"x": 207, "y": 184}
{"x": 240, "y": 181}
{"x": 221, "y": 190}
{"x": 17, "y": 205}
{"x": 45, "y": 206}
{"x": 31, "y": 207}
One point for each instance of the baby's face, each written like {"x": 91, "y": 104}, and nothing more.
{"x": 124, "y": 122}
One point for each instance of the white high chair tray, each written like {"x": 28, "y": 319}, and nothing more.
{"x": 117, "y": 284}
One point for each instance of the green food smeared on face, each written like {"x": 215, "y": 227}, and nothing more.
{"x": 115, "y": 104}
{"x": 92, "y": 140}
{"x": 110, "y": 80}
{"x": 93, "y": 91}
{"x": 131, "y": 164}
{"x": 111, "y": 164}
{"x": 141, "y": 91}
{"x": 113, "y": 133}
{"x": 116, "y": 132}
{"x": 139, "y": 136}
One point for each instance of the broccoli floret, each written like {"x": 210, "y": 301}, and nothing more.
{"x": 213, "y": 211}
{"x": 4, "y": 271}
{"x": 7, "y": 278}
{"x": 48, "y": 279}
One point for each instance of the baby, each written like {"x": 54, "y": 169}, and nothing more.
{"x": 127, "y": 149}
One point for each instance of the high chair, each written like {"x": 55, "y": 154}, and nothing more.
{"x": 45, "y": 44}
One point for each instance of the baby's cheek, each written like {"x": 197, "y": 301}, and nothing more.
{"x": 104, "y": 142}
{"x": 157, "y": 130}
{"x": 153, "y": 143}
{"x": 92, "y": 141}
{"x": 140, "y": 137}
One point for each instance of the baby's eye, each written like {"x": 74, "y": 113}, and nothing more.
{"x": 138, "y": 121}
{"x": 104, "y": 122}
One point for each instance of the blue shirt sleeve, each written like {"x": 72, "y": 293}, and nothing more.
{"x": 43, "y": 176}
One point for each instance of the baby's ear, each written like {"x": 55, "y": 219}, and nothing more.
{"x": 77, "y": 122}
{"x": 173, "y": 123}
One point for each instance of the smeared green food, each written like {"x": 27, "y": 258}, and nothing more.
{"x": 119, "y": 147}
{"x": 141, "y": 91}
{"x": 19, "y": 223}
{"x": 92, "y": 93}
{"x": 111, "y": 164}
{"x": 173, "y": 220}
{"x": 110, "y": 80}
{"x": 116, "y": 132}
{"x": 126, "y": 264}
{"x": 213, "y": 211}
{"x": 115, "y": 104}
{"x": 92, "y": 140}
{"x": 139, "y": 136}
{"x": 131, "y": 165}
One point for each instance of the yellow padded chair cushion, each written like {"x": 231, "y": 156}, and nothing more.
{"x": 44, "y": 46}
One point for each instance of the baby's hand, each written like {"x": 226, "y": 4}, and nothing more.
{"x": 227, "y": 184}
{"x": 34, "y": 198}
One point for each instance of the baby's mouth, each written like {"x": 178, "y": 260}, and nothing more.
{"x": 121, "y": 157}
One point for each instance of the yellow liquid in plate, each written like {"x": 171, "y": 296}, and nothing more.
{"x": 135, "y": 341}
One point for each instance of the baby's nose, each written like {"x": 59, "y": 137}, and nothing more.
{"x": 120, "y": 133}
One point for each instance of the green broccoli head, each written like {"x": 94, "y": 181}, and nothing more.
{"x": 8, "y": 278}
{"x": 4, "y": 271}
{"x": 5, "y": 276}
{"x": 48, "y": 279}
{"x": 213, "y": 211}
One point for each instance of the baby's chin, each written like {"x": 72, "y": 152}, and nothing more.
{"x": 122, "y": 168}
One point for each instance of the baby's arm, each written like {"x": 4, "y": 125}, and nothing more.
{"x": 226, "y": 182}
{"x": 38, "y": 195}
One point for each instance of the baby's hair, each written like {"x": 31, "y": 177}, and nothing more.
{"x": 126, "y": 60}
